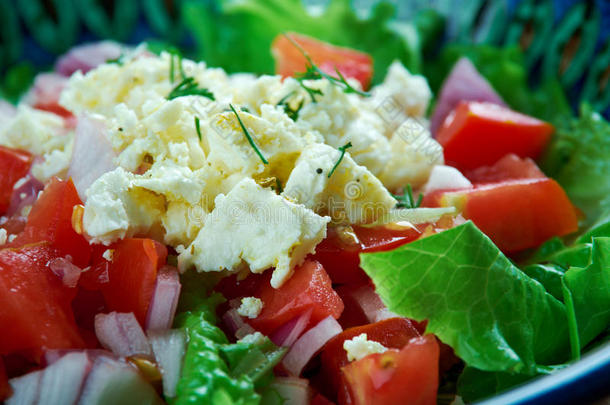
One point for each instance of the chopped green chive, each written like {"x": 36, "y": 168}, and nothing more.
{"x": 313, "y": 72}
{"x": 198, "y": 127}
{"x": 189, "y": 87}
{"x": 250, "y": 140}
{"x": 116, "y": 61}
{"x": 406, "y": 199}
{"x": 291, "y": 112}
{"x": 342, "y": 149}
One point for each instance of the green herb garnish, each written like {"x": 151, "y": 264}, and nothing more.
{"x": 189, "y": 87}
{"x": 250, "y": 140}
{"x": 291, "y": 112}
{"x": 313, "y": 72}
{"x": 198, "y": 127}
{"x": 116, "y": 61}
{"x": 342, "y": 149}
{"x": 406, "y": 199}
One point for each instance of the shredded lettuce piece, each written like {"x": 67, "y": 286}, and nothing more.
{"x": 216, "y": 371}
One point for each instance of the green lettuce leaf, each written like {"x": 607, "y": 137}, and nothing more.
{"x": 578, "y": 157}
{"x": 237, "y": 34}
{"x": 493, "y": 315}
{"x": 590, "y": 288}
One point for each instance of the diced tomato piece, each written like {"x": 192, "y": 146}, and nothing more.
{"x": 289, "y": 60}
{"x": 309, "y": 288}
{"x": 516, "y": 214}
{"x": 14, "y": 165}
{"x": 392, "y": 333}
{"x": 510, "y": 167}
{"x": 51, "y": 220}
{"x": 132, "y": 274}
{"x": 35, "y": 312}
{"x": 5, "y": 388}
{"x": 340, "y": 255}
{"x": 406, "y": 376}
{"x": 479, "y": 134}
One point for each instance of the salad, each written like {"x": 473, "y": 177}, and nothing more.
{"x": 333, "y": 233}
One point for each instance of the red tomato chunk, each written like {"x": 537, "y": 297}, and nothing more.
{"x": 309, "y": 288}
{"x": 478, "y": 134}
{"x": 35, "y": 312}
{"x": 289, "y": 59}
{"x": 14, "y": 165}
{"x": 406, "y": 376}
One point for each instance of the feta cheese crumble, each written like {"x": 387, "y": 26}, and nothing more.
{"x": 250, "y": 307}
{"x": 359, "y": 347}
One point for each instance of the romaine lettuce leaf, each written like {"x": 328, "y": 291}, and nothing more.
{"x": 493, "y": 315}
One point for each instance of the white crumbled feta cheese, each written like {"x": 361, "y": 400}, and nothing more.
{"x": 359, "y": 347}
{"x": 351, "y": 195}
{"x": 250, "y": 307}
{"x": 11, "y": 238}
{"x": 198, "y": 191}
{"x": 3, "y": 236}
{"x": 445, "y": 177}
{"x": 108, "y": 254}
{"x": 414, "y": 154}
{"x": 257, "y": 227}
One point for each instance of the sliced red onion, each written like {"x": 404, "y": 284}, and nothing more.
{"x": 446, "y": 178}
{"x": 66, "y": 271}
{"x": 26, "y": 389}
{"x": 164, "y": 300}
{"x": 294, "y": 391}
{"x": 168, "y": 347}
{"x": 463, "y": 83}
{"x": 369, "y": 301}
{"x": 52, "y": 356}
{"x": 25, "y": 193}
{"x": 62, "y": 381}
{"x": 92, "y": 154}
{"x": 309, "y": 344}
{"x": 122, "y": 334}
{"x": 111, "y": 381}
{"x": 288, "y": 333}
{"x": 46, "y": 90}
{"x": 87, "y": 57}
{"x": 232, "y": 320}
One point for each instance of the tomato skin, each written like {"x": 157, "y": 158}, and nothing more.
{"x": 351, "y": 63}
{"x": 479, "y": 134}
{"x": 320, "y": 399}
{"x": 342, "y": 261}
{"x": 392, "y": 333}
{"x": 14, "y": 165}
{"x": 51, "y": 220}
{"x": 309, "y": 288}
{"x": 515, "y": 214}
{"x": 35, "y": 312}
{"x": 132, "y": 275}
{"x": 408, "y": 376}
